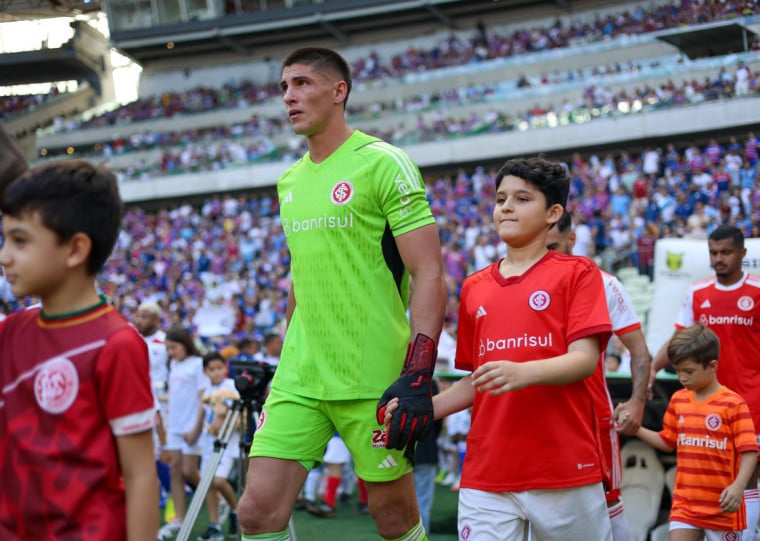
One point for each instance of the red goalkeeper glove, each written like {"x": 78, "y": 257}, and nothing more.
{"x": 413, "y": 418}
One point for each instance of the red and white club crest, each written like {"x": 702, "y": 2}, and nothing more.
{"x": 342, "y": 192}
{"x": 56, "y": 385}
{"x": 713, "y": 421}
{"x": 262, "y": 420}
{"x": 745, "y": 303}
{"x": 539, "y": 300}
{"x": 731, "y": 536}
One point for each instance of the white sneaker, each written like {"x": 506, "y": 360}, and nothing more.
{"x": 449, "y": 480}
{"x": 169, "y": 530}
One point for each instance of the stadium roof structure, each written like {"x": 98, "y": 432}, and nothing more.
{"x": 13, "y": 10}
{"x": 340, "y": 21}
{"x": 81, "y": 59}
{"x": 714, "y": 39}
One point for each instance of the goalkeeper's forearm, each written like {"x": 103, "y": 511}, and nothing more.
{"x": 427, "y": 307}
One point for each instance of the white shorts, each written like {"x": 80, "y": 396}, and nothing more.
{"x": 226, "y": 463}
{"x": 710, "y": 535}
{"x": 336, "y": 452}
{"x": 175, "y": 442}
{"x": 551, "y": 515}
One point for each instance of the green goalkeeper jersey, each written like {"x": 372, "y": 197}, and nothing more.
{"x": 348, "y": 335}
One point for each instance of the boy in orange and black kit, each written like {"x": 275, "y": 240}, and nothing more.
{"x": 76, "y": 407}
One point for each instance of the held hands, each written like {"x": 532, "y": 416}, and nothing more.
{"x": 628, "y": 416}
{"x": 731, "y": 498}
{"x": 412, "y": 416}
{"x": 499, "y": 377}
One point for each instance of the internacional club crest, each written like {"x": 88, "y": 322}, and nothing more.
{"x": 713, "y": 421}
{"x": 539, "y": 300}
{"x": 745, "y": 303}
{"x": 56, "y": 385}
{"x": 342, "y": 192}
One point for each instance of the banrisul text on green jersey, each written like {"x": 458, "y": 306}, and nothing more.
{"x": 326, "y": 221}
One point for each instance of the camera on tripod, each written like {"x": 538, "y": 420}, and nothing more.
{"x": 251, "y": 377}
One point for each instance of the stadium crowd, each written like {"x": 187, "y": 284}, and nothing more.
{"x": 231, "y": 250}
{"x": 482, "y": 46}
{"x": 253, "y": 141}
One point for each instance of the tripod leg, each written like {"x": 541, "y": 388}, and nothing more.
{"x": 209, "y": 470}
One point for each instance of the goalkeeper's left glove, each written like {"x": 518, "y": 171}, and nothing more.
{"x": 412, "y": 420}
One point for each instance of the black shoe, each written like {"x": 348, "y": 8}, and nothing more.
{"x": 362, "y": 509}
{"x": 344, "y": 498}
{"x": 322, "y": 510}
{"x": 232, "y": 524}
{"x": 302, "y": 504}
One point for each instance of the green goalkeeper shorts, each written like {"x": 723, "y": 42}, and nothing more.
{"x": 294, "y": 427}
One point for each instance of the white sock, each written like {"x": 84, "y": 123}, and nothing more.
{"x": 752, "y": 503}
{"x": 619, "y": 525}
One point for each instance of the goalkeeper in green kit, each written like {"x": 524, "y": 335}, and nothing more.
{"x": 361, "y": 237}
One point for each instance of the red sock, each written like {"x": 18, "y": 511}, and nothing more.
{"x": 362, "y": 491}
{"x": 331, "y": 490}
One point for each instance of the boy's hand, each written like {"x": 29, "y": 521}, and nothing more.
{"x": 731, "y": 498}
{"x": 628, "y": 416}
{"x": 499, "y": 377}
{"x": 390, "y": 407}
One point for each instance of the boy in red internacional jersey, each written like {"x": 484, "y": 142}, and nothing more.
{"x": 711, "y": 429}
{"x": 76, "y": 408}
{"x": 531, "y": 329}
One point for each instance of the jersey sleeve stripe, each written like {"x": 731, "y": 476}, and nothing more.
{"x": 590, "y": 331}
{"x": 404, "y": 162}
{"x": 133, "y": 423}
{"x": 627, "y": 329}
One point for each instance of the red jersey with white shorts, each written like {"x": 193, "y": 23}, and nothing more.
{"x": 623, "y": 319}
{"x": 709, "y": 438}
{"x": 733, "y": 313}
{"x": 70, "y": 385}
{"x": 543, "y": 436}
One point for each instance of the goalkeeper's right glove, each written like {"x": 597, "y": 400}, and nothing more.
{"x": 412, "y": 420}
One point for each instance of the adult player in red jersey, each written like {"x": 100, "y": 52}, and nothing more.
{"x": 531, "y": 329}
{"x": 76, "y": 408}
{"x": 729, "y": 305}
{"x": 627, "y": 416}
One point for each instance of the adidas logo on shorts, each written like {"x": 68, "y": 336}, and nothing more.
{"x": 389, "y": 462}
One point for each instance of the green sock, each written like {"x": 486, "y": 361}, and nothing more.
{"x": 283, "y": 535}
{"x": 417, "y": 533}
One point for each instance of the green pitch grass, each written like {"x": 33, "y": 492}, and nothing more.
{"x": 348, "y": 526}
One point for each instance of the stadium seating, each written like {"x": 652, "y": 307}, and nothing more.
{"x": 641, "y": 487}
